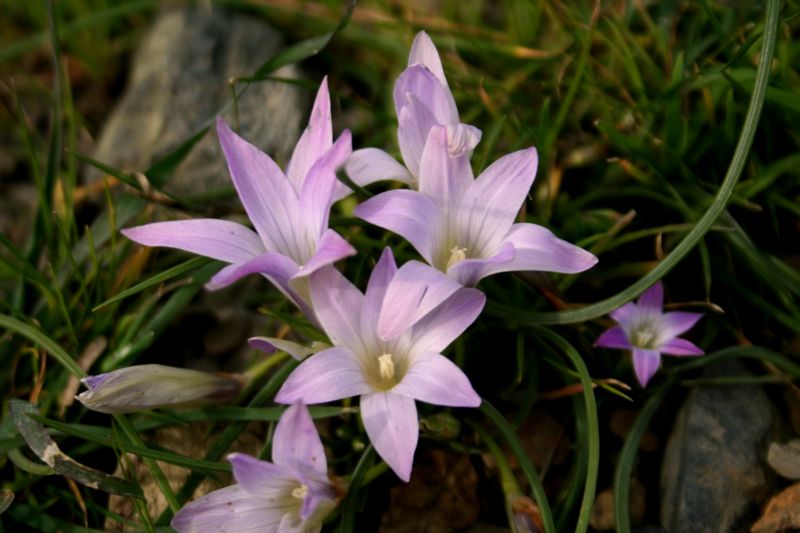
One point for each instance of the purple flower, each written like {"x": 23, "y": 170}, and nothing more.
{"x": 292, "y": 493}
{"x": 422, "y": 100}
{"x": 388, "y": 375}
{"x": 646, "y": 330}
{"x": 465, "y": 227}
{"x": 289, "y": 212}
{"x": 140, "y": 387}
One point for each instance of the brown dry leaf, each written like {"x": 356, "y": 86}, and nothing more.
{"x": 782, "y": 512}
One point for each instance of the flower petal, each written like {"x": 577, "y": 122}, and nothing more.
{"x": 414, "y": 122}
{"x": 417, "y": 82}
{"x": 315, "y": 140}
{"x": 675, "y": 323}
{"x": 434, "y": 379}
{"x": 492, "y": 202}
{"x": 379, "y": 281}
{"x": 269, "y": 480}
{"x": 272, "y": 344}
{"x": 423, "y": 52}
{"x": 369, "y": 165}
{"x": 392, "y": 426}
{"x": 268, "y": 197}
{"x": 330, "y": 375}
{"x": 296, "y": 442}
{"x": 537, "y": 248}
{"x": 470, "y": 271}
{"x": 276, "y": 267}
{"x": 316, "y": 194}
{"x": 652, "y": 300}
{"x": 645, "y": 363}
{"x": 626, "y": 315}
{"x": 436, "y": 330}
{"x": 228, "y": 509}
{"x": 416, "y": 290}
{"x": 410, "y": 214}
{"x": 332, "y": 247}
{"x": 337, "y": 304}
{"x": 219, "y": 239}
{"x": 444, "y": 175}
{"x": 680, "y": 347}
{"x": 614, "y": 338}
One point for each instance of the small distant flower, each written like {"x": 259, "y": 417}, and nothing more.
{"x": 291, "y": 494}
{"x": 289, "y": 212}
{"x": 141, "y": 387}
{"x": 388, "y": 375}
{"x": 647, "y": 331}
{"x": 422, "y": 99}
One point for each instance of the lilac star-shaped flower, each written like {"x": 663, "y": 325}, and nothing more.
{"x": 290, "y": 494}
{"x": 388, "y": 375}
{"x": 422, "y": 99}
{"x": 647, "y": 331}
{"x": 289, "y": 211}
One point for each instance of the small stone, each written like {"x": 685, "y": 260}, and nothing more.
{"x": 785, "y": 458}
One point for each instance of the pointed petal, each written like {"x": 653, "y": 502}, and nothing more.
{"x": 538, "y": 249}
{"x": 268, "y": 197}
{"x": 332, "y": 247}
{"x": 625, "y": 315}
{"x": 675, "y": 323}
{"x": 392, "y": 426}
{"x": 652, "y": 299}
{"x": 296, "y": 442}
{"x": 423, "y": 52}
{"x": 369, "y": 165}
{"x": 337, "y": 304}
{"x": 444, "y": 175}
{"x": 316, "y": 194}
{"x": 410, "y": 214}
{"x": 645, "y": 363}
{"x": 470, "y": 271}
{"x": 416, "y": 290}
{"x": 272, "y": 344}
{"x": 262, "y": 477}
{"x": 379, "y": 281}
{"x": 435, "y": 379}
{"x": 315, "y": 140}
{"x": 278, "y": 268}
{"x": 680, "y": 347}
{"x": 414, "y": 122}
{"x": 330, "y": 375}
{"x": 417, "y": 82}
{"x": 219, "y": 239}
{"x": 229, "y": 509}
{"x": 614, "y": 338}
{"x": 492, "y": 202}
{"x": 436, "y": 330}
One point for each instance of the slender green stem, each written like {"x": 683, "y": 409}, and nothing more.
{"x": 524, "y": 461}
{"x": 680, "y": 251}
{"x": 351, "y": 500}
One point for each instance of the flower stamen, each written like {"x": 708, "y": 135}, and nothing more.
{"x": 456, "y": 256}
{"x": 300, "y": 492}
{"x": 386, "y": 366}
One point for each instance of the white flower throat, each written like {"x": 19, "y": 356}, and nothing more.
{"x": 644, "y": 337}
{"x": 456, "y": 256}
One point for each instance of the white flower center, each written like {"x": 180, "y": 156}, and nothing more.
{"x": 386, "y": 366}
{"x": 456, "y": 256}
{"x": 643, "y": 338}
{"x": 300, "y": 492}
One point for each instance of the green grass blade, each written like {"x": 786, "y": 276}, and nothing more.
{"x": 40, "y": 338}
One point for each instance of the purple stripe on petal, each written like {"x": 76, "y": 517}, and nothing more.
{"x": 614, "y": 338}
{"x": 645, "y": 363}
{"x": 652, "y": 299}
{"x": 219, "y": 239}
{"x": 410, "y": 214}
{"x": 315, "y": 140}
{"x": 296, "y": 442}
{"x": 436, "y": 330}
{"x": 330, "y": 375}
{"x": 416, "y": 290}
{"x": 680, "y": 347}
{"x": 392, "y": 426}
{"x": 675, "y": 323}
{"x": 369, "y": 165}
{"x": 434, "y": 379}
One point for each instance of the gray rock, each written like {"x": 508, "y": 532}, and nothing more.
{"x": 179, "y": 81}
{"x": 713, "y": 477}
